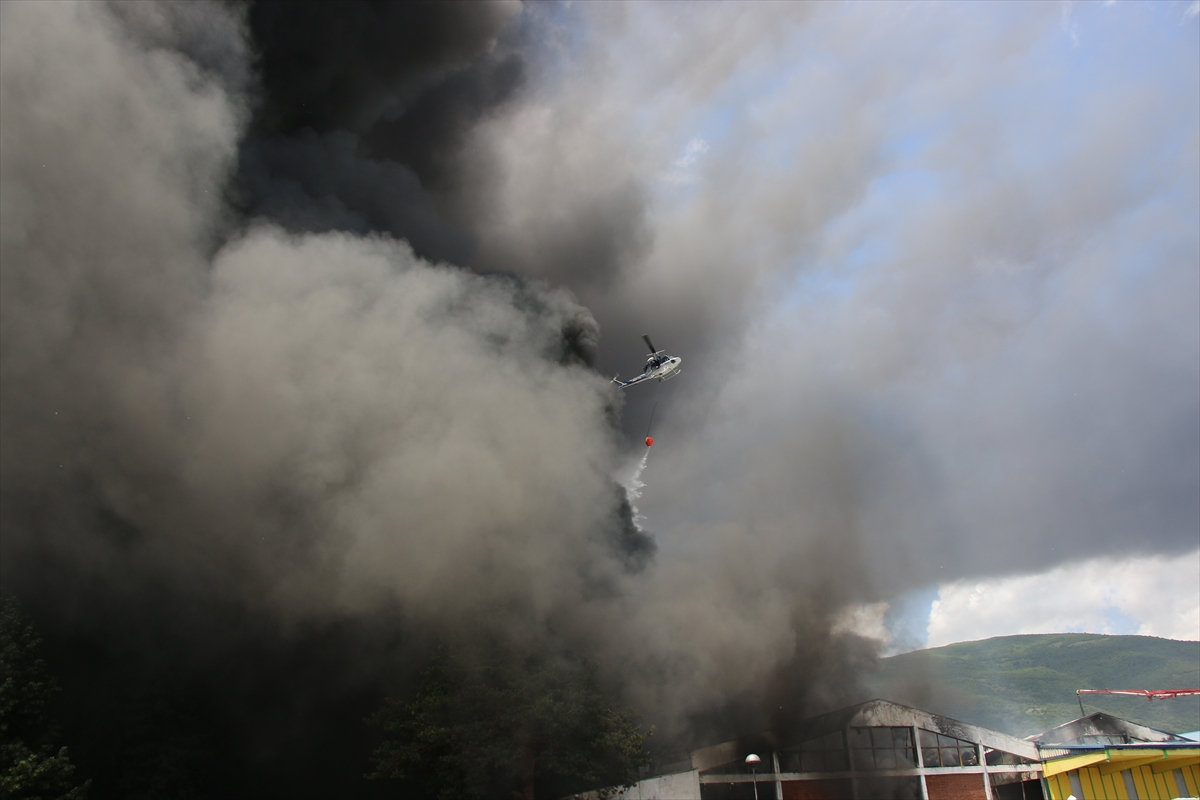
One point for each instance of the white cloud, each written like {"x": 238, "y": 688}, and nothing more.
{"x": 692, "y": 152}
{"x": 1152, "y": 596}
{"x": 1069, "y": 27}
{"x": 683, "y": 168}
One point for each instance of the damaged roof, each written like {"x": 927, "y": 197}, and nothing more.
{"x": 1098, "y": 727}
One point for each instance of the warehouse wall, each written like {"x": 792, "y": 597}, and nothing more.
{"x": 1148, "y": 784}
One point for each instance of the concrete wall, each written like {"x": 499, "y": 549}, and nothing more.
{"x": 680, "y": 786}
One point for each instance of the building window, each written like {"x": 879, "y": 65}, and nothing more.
{"x": 826, "y": 754}
{"x": 882, "y": 748}
{"x": 999, "y": 757}
{"x": 939, "y": 750}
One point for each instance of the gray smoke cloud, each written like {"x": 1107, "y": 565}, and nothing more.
{"x": 303, "y": 324}
{"x": 939, "y": 311}
{"x": 932, "y": 304}
{"x": 344, "y": 417}
{"x": 311, "y": 426}
{"x": 1015, "y": 396}
{"x": 241, "y": 451}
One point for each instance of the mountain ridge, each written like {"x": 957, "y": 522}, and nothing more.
{"x": 1025, "y": 683}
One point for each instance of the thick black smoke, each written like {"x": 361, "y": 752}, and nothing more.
{"x": 362, "y": 112}
{"x": 250, "y": 472}
{"x": 374, "y": 116}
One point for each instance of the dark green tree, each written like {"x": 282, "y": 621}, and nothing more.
{"x": 509, "y": 728}
{"x": 30, "y": 764}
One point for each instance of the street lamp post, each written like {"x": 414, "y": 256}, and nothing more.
{"x": 754, "y": 761}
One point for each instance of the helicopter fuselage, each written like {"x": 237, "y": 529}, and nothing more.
{"x": 657, "y": 367}
{"x": 663, "y": 368}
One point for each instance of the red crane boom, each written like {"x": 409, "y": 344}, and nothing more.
{"x": 1149, "y": 694}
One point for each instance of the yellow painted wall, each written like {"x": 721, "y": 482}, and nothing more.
{"x": 1150, "y": 786}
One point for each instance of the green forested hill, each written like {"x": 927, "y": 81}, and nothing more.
{"x": 1026, "y": 684}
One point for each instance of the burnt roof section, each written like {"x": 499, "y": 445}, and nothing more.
{"x": 1078, "y": 731}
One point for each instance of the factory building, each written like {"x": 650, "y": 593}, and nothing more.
{"x": 1109, "y": 758}
{"x": 881, "y": 749}
{"x": 872, "y": 750}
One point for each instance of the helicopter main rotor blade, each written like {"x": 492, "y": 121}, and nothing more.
{"x": 646, "y": 336}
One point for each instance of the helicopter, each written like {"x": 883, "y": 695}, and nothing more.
{"x": 658, "y": 365}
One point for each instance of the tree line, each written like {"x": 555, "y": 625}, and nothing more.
{"x": 482, "y": 722}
